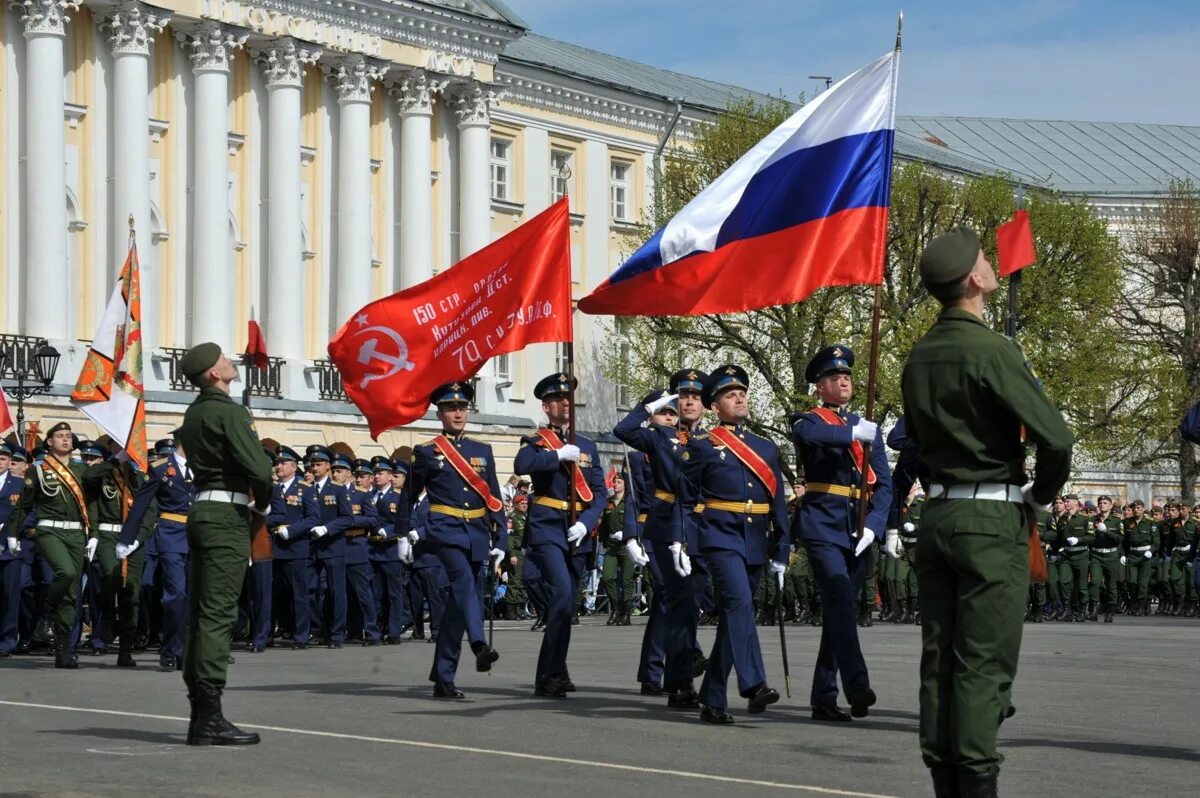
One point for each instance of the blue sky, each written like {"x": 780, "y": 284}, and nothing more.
{"x": 1100, "y": 60}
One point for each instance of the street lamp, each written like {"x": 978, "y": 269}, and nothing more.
{"x": 45, "y": 364}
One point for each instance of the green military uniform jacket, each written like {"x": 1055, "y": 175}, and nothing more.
{"x": 1140, "y": 534}
{"x": 1077, "y": 526}
{"x": 223, "y": 449}
{"x": 611, "y": 522}
{"x": 53, "y": 500}
{"x": 104, "y": 496}
{"x": 1113, "y": 535}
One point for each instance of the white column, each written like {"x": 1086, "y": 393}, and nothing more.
{"x": 414, "y": 95}
{"x": 45, "y": 168}
{"x": 211, "y": 46}
{"x": 283, "y": 62}
{"x": 131, "y": 31}
{"x": 472, "y": 102}
{"x": 353, "y": 77}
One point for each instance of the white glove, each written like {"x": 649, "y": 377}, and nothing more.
{"x": 263, "y": 512}
{"x": 636, "y": 553}
{"x": 381, "y": 532}
{"x": 868, "y": 537}
{"x": 282, "y": 532}
{"x": 909, "y": 526}
{"x": 576, "y": 533}
{"x": 661, "y": 402}
{"x": 1101, "y": 527}
{"x": 124, "y": 551}
{"x": 413, "y": 536}
{"x": 14, "y": 546}
{"x": 1072, "y": 541}
{"x": 892, "y": 544}
{"x": 777, "y": 568}
{"x": 1027, "y": 494}
{"x": 1149, "y": 555}
{"x": 864, "y": 430}
{"x": 569, "y": 451}
{"x": 617, "y": 536}
{"x": 404, "y": 549}
{"x": 1123, "y": 561}
{"x": 320, "y": 531}
{"x": 497, "y": 556}
{"x": 683, "y": 563}
{"x": 90, "y": 548}
{"x": 504, "y": 579}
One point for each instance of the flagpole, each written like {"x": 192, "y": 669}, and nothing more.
{"x": 124, "y": 505}
{"x": 1014, "y": 279}
{"x": 873, "y": 364}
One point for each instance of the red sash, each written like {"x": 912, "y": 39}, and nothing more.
{"x": 469, "y": 475}
{"x": 749, "y": 458}
{"x": 64, "y": 474}
{"x": 582, "y": 489}
{"x": 856, "y": 449}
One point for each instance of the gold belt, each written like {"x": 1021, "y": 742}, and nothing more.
{"x": 558, "y": 504}
{"x": 355, "y": 533}
{"x": 178, "y": 517}
{"x": 837, "y": 490}
{"x": 458, "y": 512}
{"x": 641, "y": 518}
{"x": 664, "y": 496}
{"x": 699, "y": 508}
{"x": 746, "y": 508}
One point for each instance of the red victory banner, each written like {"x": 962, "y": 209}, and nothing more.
{"x": 1014, "y": 244}
{"x": 512, "y": 293}
{"x": 256, "y": 346}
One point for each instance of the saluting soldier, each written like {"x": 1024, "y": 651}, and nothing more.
{"x": 232, "y": 479}
{"x": 743, "y": 525}
{"x": 467, "y": 526}
{"x": 64, "y": 536}
{"x": 293, "y": 516}
{"x": 829, "y": 441}
{"x": 967, "y": 394}
{"x": 558, "y": 548}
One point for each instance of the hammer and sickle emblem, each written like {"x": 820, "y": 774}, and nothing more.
{"x": 396, "y": 362}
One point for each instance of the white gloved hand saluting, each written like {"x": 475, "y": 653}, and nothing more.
{"x": 576, "y": 533}
{"x": 124, "y": 551}
{"x": 636, "y": 552}
{"x": 282, "y": 532}
{"x": 90, "y": 548}
{"x": 568, "y": 451}
{"x": 864, "y": 430}
{"x": 868, "y": 537}
{"x": 892, "y": 544}
{"x": 683, "y": 563}
{"x": 661, "y": 402}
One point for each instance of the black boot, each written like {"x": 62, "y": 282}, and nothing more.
{"x": 64, "y": 654}
{"x": 210, "y": 726}
{"x": 1092, "y": 616}
{"x": 612, "y": 614}
{"x": 910, "y": 615}
{"x": 1108, "y": 612}
{"x": 945, "y": 782}
{"x": 977, "y": 785}
{"x": 125, "y": 652}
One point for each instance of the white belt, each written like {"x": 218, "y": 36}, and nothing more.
{"x": 1105, "y": 551}
{"x": 1075, "y": 548}
{"x": 1140, "y": 548}
{"x": 225, "y": 496}
{"x": 990, "y": 491}
{"x": 72, "y": 525}
{"x": 1183, "y": 548}
{"x": 109, "y": 527}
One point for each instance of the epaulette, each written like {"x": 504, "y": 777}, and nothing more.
{"x": 699, "y": 436}
{"x": 534, "y": 440}
{"x": 156, "y": 462}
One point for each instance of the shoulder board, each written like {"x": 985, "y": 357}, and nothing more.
{"x": 533, "y": 440}
{"x": 159, "y": 461}
{"x": 698, "y": 436}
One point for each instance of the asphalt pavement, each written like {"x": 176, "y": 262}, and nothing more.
{"x": 1102, "y": 710}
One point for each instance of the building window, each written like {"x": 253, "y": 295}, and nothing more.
{"x": 501, "y": 169}
{"x": 618, "y": 191}
{"x": 503, "y": 368}
{"x": 624, "y": 396}
{"x": 560, "y": 358}
{"x": 562, "y": 178}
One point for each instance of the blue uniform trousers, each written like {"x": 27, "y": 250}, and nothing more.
{"x": 434, "y": 585}
{"x": 389, "y": 595}
{"x": 149, "y": 609}
{"x": 261, "y": 586}
{"x": 35, "y": 585}
{"x": 559, "y": 572}
{"x": 463, "y": 612}
{"x": 11, "y": 579}
{"x": 535, "y": 587}
{"x": 652, "y": 662}
{"x": 736, "y": 646}
{"x": 330, "y": 604}
{"x": 839, "y": 576}
{"x": 172, "y": 576}
{"x": 358, "y": 578}
{"x": 296, "y": 576}
{"x": 679, "y": 617}
{"x": 101, "y": 614}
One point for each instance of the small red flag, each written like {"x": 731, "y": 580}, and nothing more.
{"x": 6, "y": 419}
{"x": 256, "y": 346}
{"x": 514, "y": 292}
{"x": 1014, "y": 244}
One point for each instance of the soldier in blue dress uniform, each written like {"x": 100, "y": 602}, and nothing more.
{"x": 361, "y": 613}
{"x": 429, "y": 580}
{"x": 383, "y": 546}
{"x": 466, "y": 525}
{"x": 558, "y": 548}
{"x": 640, "y": 494}
{"x": 742, "y": 527}
{"x": 828, "y": 440}
{"x": 292, "y": 517}
{"x": 11, "y": 565}
{"x": 334, "y": 517}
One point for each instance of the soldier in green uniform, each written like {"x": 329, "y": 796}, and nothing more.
{"x": 967, "y": 395}
{"x": 905, "y": 570}
{"x": 1075, "y": 535}
{"x": 617, "y": 574}
{"x": 232, "y": 476}
{"x": 1106, "y": 554}
{"x": 1178, "y": 550}
{"x": 1141, "y": 541}
{"x": 64, "y": 537}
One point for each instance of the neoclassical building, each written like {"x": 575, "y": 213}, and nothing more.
{"x": 291, "y": 160}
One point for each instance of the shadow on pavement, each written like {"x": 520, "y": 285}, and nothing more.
{"x": 1102, "y": 747}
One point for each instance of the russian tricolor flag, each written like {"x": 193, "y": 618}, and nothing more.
{"x": 805, "y": 208}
